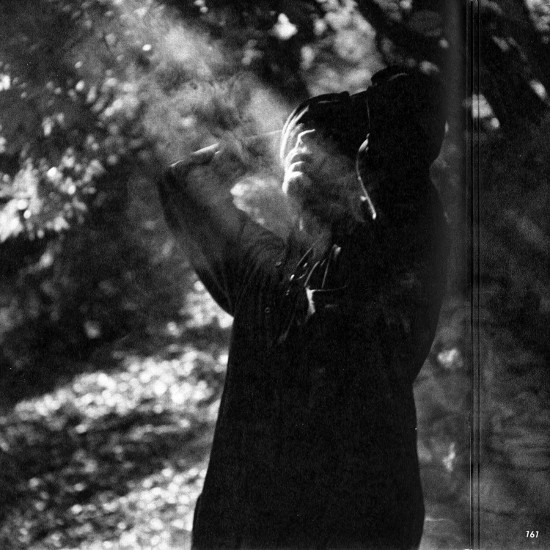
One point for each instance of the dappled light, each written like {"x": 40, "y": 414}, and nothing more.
{"x": 118, "y": 455}
{"x": 113, "y": 354}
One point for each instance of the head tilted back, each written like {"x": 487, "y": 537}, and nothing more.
{"x": 402, "y": 112}
{"x": 407, "y": 118}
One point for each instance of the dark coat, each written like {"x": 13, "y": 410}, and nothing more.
{"x": 315, "y": 443}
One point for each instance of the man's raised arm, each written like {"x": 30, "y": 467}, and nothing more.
{"x": 200, "y": 212}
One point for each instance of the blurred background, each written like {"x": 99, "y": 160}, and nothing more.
{"x": 112, "y": 354}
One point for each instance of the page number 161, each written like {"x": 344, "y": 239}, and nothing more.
{"x": 532, "y": 534}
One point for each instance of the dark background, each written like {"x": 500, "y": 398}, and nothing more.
{"x": 112, "y": 355}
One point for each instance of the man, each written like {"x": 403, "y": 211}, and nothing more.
{"x": 315, "y": 444}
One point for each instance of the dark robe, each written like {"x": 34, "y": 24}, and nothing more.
{"x": 315, "y": 443}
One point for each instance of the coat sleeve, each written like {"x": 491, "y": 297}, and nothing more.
{"x": 415, "y": 250}
{"x": 224, "y": 246}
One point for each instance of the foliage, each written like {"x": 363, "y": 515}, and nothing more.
{"x": 114, "y": 456}
{"x": 96, "y": 97}
{"x": 86, "y": 131}
{"x": 78, "y": 269}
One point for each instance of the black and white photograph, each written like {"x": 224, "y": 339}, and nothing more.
{"x": 275, "y": 274}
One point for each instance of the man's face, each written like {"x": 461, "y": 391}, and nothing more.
{"x": 319, "y": 178}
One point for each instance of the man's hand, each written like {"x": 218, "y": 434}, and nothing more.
{"x": 180, "y": 168}
{"x": 209, "y": 173}
{"x": 320, "y": 178}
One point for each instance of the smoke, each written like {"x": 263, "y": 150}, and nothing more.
{"x": 195, "y": 90}
{"x": 195, "y": 93}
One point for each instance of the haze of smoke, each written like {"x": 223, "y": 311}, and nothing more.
{"x": 198, "y": 95}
